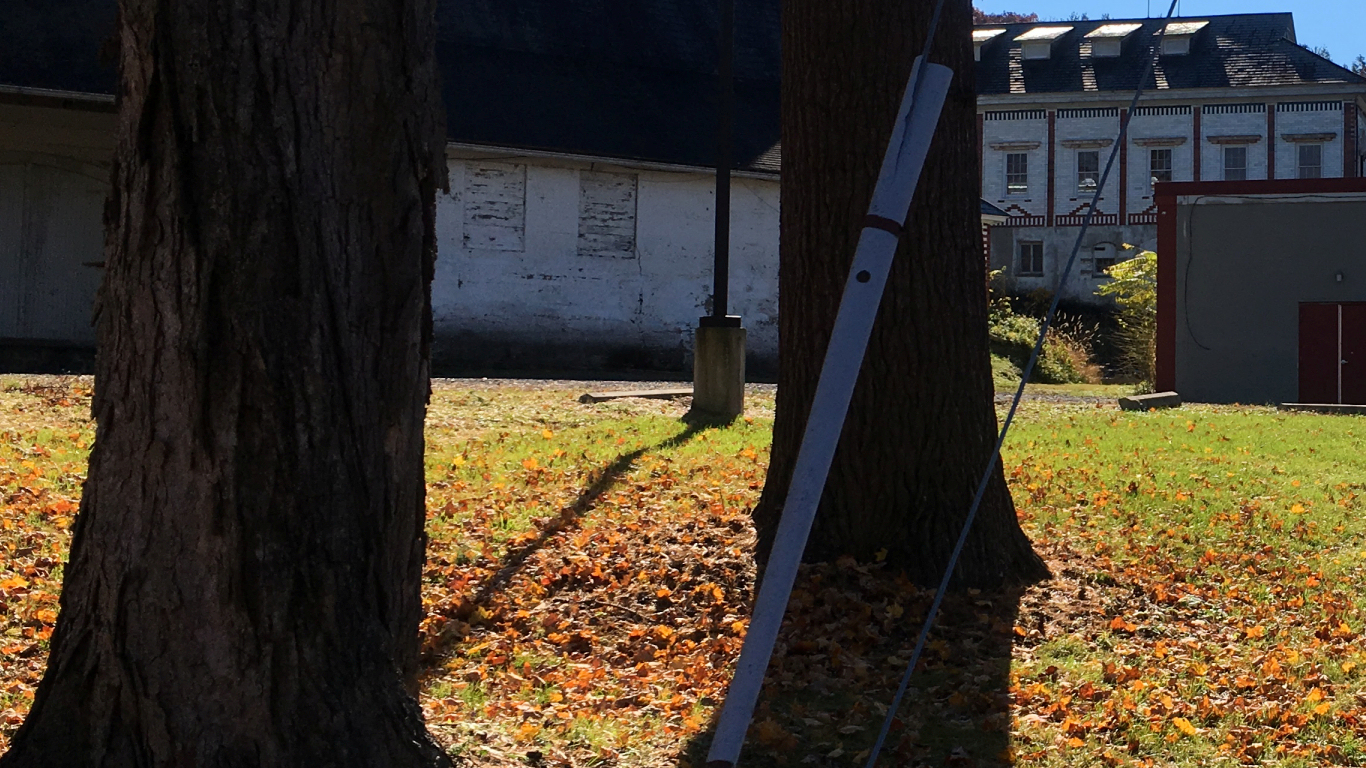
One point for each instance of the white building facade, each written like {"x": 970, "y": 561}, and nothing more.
{"x": 559, "y": 263}
{"x": 1232, "y": 98}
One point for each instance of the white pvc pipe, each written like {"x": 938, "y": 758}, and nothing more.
{"x": 901, "y": 166}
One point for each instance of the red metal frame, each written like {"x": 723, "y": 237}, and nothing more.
{"x": 1123, "y": 171}
{"x": 1052, "y": 162}
{"x": 1167, "y": 195}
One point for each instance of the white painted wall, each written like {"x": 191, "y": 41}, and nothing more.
{"x": 54, "y": 175}
{"x": 1000, "y": 129}
{"x": 1325, "y": 117}
{"x": 1168, "y": 118}
{"x": 1248, "y": 120}
{"x": 1069, "y": 200}
{"x": 521, "y": 279}
{"x": 552, "y": 300}
{"x": 1144, "y": 128}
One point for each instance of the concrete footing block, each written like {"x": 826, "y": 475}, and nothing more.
{"x": 1154, "y": 400}
{"x": 1350, "y": 410}
{"x": 719, "y": 372}
{"x": 648, "y": 394}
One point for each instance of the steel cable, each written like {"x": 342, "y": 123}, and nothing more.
{"x": 1019, "y": 392}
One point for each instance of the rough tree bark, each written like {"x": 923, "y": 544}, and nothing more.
{"x": 243, "y": 587}
{"x": 921, "y": 424}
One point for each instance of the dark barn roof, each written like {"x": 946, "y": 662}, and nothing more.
{"x": 60, "y": 45}
{"x": 614, "y": 78}
{"x": 630, "y": 79}
{"x": 1245, "y": 50}
{"x": 635, "y": 79}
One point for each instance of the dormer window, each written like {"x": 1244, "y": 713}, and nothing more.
{"x": 1177, "y": 40}
{"x": 1037, "y": 43}
{"x": 980, "y": 37}
{"x": 1108, "y": 41}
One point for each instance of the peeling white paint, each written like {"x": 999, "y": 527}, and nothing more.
{"x": 615, "y": 269}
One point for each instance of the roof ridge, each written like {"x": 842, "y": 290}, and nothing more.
{"x": 1303, "y": 50}
{"x": 1139, "y": 19}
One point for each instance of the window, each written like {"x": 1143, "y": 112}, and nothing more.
{"x": 1031, "y": 258}
{"x": 1235, "y": 163}
{"x": 607, "y": 214}
{"x": 1160, "y": 165}
{"x": 1176, "y": 46}
{"x": 1311, "y": 161}
{"x": 1017, "y": 173}
{"x": 495, "y": 207}
{"x": 1088, "y": 171}
{"x": 1103, "y": 257}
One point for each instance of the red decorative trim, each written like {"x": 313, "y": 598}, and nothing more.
{"x": 1052, "y": 161}
{"x": 1123, "y": 168}
{"x": 1196, "y": 112}
{"x": 1271, "y": 141}
{"x": 1025, "y": 221}
{"x": 1166, "y": 288}
{"x": 1142, "y": 218}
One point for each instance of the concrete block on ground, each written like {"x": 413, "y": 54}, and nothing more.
{"x": 1154, "y": 400}
{"x": 719, "y": 372}
{"x": 651, "y": 394}
{"x": 1351, "y": 410}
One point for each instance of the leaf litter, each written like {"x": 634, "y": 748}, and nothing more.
{"x": 590, "y": 573}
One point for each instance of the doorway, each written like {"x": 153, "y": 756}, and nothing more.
{"x": 1333, "y": 353}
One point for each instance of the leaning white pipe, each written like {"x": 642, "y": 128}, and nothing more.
{"x": 901, "y": 166}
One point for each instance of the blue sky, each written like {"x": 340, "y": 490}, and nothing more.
{"x": 1338, "y": 25}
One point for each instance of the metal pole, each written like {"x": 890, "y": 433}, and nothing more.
{"x": 901, "y": 166}
{"x": 725, "y": 113}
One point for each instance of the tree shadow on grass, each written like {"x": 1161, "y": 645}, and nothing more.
{"x": 568, "y": 518}
{"x": 842, "y": 651}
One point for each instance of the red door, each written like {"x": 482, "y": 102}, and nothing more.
{"x": 1319, "y": 353}
{"x": 1333, "y": 353}
{"x": 1354, "y": 354}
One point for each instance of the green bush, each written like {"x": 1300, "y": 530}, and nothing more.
{"x": 1065, "y": 357}
{"x": 1133, "y": 285}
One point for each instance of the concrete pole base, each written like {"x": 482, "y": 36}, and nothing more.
{"x": 719, "y": 369}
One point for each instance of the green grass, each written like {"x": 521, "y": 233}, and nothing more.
{"x": 1208, "y": 556}
{"x": 1232, "y": 536}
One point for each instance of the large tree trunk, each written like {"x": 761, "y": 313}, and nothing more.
{"x": 243, "y": 587}
{"x": 921, "y": 424}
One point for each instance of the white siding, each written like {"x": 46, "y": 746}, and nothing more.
{"x": 1144, "y": 127}
{"x": 1309, "y": 117}
{"x": 495, "y": 207}
{"x": 607, "y": 214}
{"x": 1239, "y": 119}
{"x": 615, "y": 269}
{"x": 1070, "y": 200}
{"x": 54, "y": 175}
{"x": 1001, "y": 131}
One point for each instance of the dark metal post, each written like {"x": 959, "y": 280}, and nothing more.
{"x": 725, "y": 109}
{"x": 719, "y": 348}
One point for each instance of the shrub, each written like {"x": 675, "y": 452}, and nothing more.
{"x": 1066, "y": 356}
{"x": 1134, "y": 288}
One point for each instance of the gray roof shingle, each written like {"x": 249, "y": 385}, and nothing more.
{"x": 1244, "y": 50}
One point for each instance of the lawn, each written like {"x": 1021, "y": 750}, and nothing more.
{"x": 589, "y": 574}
